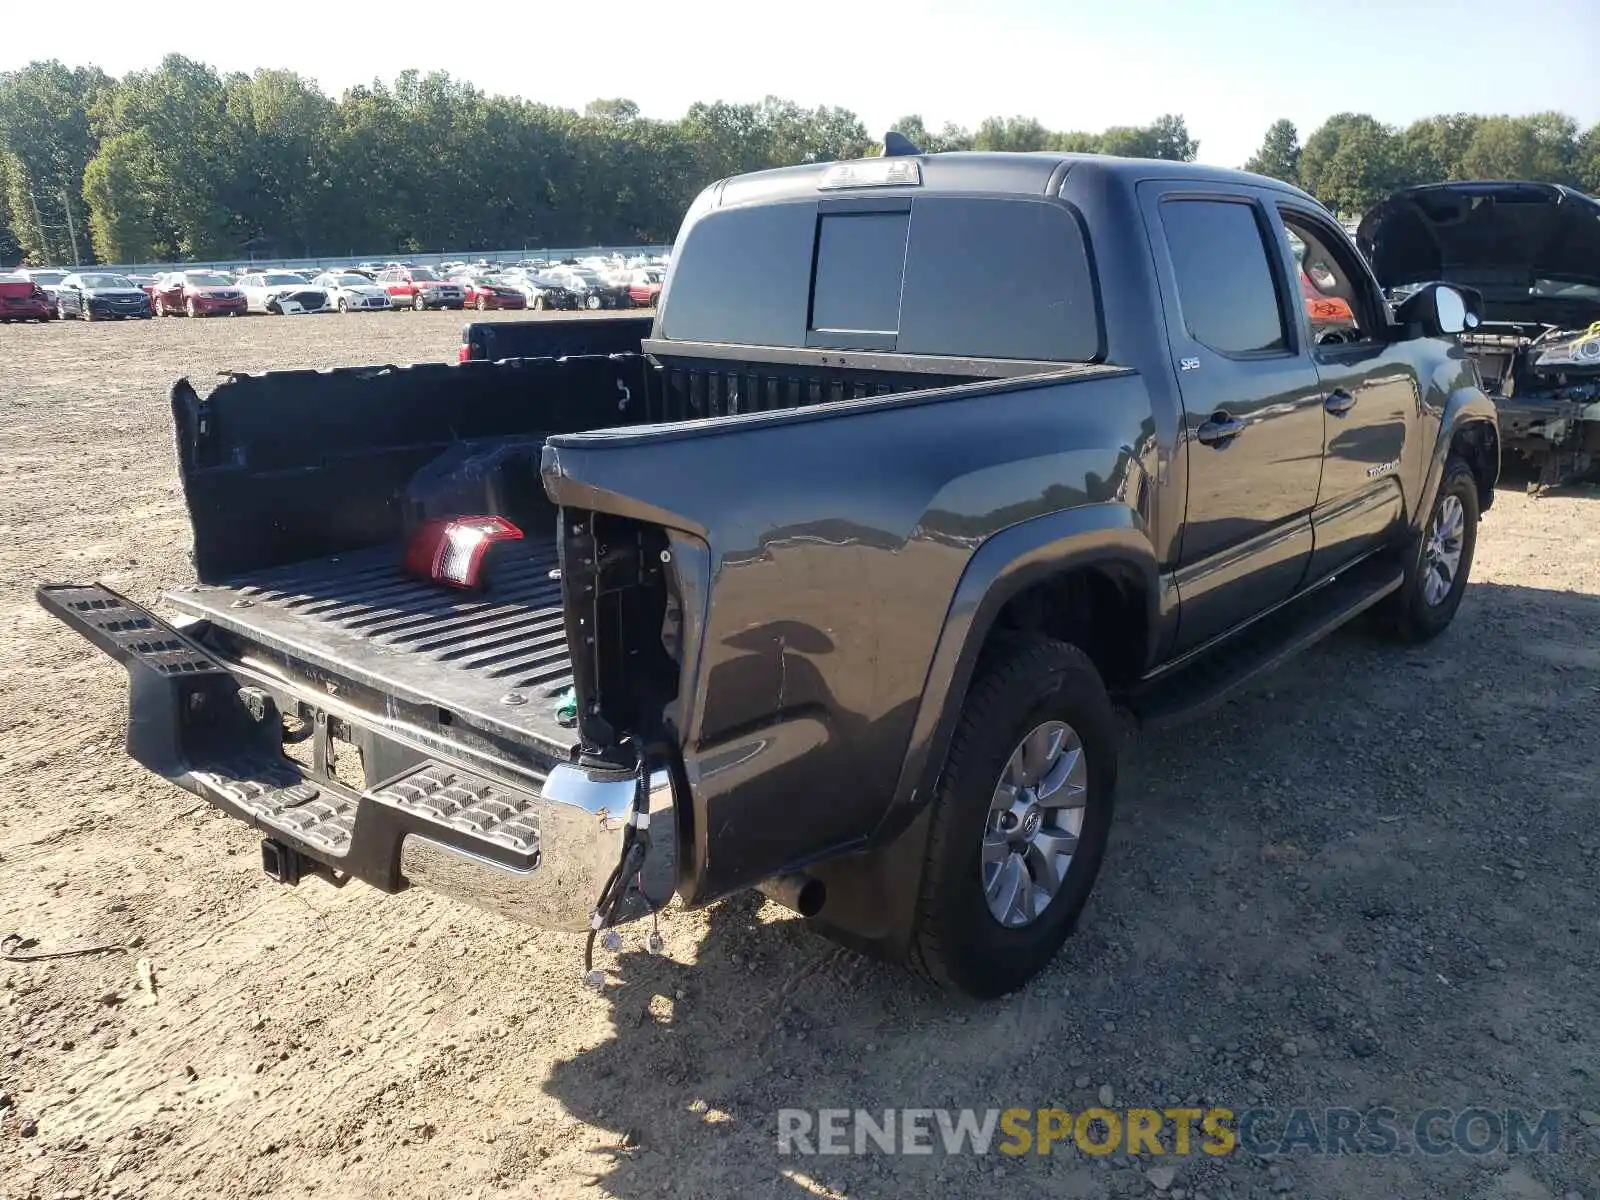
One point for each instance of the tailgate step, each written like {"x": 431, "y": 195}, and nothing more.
{"x": 442, "y": 803}
{"x": 278, "y": 797}
{"x": 123, "y": 630}
{"x": 542, "y": 848}
{"x": 478, "y": 807}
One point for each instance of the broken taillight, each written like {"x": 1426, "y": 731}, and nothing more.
{"x": 452, "y": 551}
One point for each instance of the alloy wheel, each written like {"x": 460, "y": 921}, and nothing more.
{"x": 1035, "y": 820}
{"x": 1441, "y": 556}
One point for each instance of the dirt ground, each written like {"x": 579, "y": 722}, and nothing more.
{"x": 1369, "y": 881}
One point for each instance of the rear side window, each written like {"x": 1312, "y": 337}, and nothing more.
{"x": 998, "y": 279}
{"x": 1225, "y": 283}
{"x": 938, "y": 275}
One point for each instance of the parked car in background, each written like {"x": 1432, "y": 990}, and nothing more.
{"x": 592, "y": 291}
{"x": 351, "y": 291}
{"x": 48, "y": 279}
{"x": 483, "y": 291}
{"x": 281, "y": 292}
{"x": 644, "y": 286}
{"x": 551, "y": 293}
{"x": 539, "y": 291}
{"x": 98, "y": 295}
{"x": 21, "y": 299}
{"x": 1532, "y": 251}
{"x": 197, "y": 294}
{"x": 420, "y": 288}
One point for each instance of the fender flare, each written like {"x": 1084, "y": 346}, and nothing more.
{"x": 1465, "y": 407}
{"x": 1005, "y": 564}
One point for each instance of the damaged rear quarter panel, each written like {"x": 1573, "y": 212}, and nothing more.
{"x": 836, "y": 543}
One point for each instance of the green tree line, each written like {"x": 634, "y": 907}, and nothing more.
{"x": 1351, "y": 161}
{"x": 183, "y": 162}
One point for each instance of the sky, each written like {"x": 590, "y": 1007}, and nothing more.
{"x": 1230, "y": 68}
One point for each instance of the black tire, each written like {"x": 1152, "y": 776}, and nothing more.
{"x": 344, "y": 307}
{"x": 417, "y": 302}
{"x": 1409, "y": 615}
{"x": 956, "y": 942}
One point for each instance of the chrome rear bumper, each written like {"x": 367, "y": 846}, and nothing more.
{"x": 538, "y": 856}
{"x": 581, "y": 819}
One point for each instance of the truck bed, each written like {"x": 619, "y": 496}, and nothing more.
{"x": 357, "y": 616}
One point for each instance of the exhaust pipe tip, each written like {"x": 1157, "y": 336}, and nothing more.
{"x": 798, "y": 892}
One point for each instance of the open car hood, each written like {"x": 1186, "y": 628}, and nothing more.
{"x": 1531, "y": 249}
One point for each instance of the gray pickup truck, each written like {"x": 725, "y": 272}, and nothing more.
{"x": 931, "y": 470}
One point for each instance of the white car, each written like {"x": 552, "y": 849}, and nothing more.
{"x": 349, "y": 292}
{"x": 281, "y": 292}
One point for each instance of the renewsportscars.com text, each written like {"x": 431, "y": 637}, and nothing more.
{"x": 1177, "y": 1132}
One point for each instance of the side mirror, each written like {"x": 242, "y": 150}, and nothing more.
{"x": 1439, "y": 310}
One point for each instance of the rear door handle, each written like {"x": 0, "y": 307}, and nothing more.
{"x": 1219, "y": 430}
{"x": 1339, "y": 402}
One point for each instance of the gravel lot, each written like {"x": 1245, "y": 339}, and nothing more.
{"x": 1369, "y": 881}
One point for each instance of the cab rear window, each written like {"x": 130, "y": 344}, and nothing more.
{"x": 968, "y": 276}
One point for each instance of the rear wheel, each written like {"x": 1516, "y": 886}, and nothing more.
{"x": 188, "y": 307}
{"x": 1021, "y": 818}
{"x": 483, "y": 304}
{"x": 417, "y": 302}
{"x": 1436, "y": 575}
{"x": 161, "y": 306}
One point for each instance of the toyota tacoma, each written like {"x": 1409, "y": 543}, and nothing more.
{"x": 833, "y": 585}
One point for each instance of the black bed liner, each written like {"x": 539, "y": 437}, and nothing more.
{"x": 499, "y": 657}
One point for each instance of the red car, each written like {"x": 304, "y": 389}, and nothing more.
{"x": 484, "y": 292}
{"x": 196, "y": 294}
{"x": 21, "y": 299}
{"x": 419, "y": 288}
{"x": 644, "y": 287}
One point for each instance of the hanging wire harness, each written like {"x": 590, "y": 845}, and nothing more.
{"x": 625, "y": 876}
